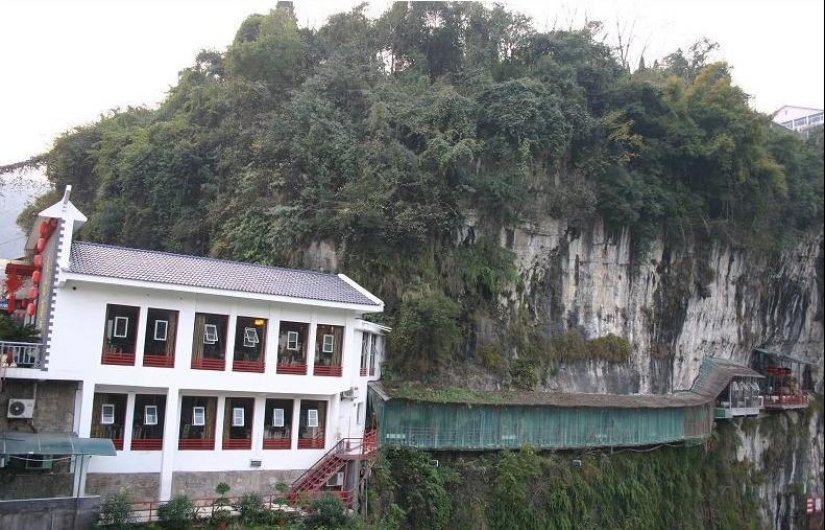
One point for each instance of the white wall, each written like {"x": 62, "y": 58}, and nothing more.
{"x": 75, "y": 354}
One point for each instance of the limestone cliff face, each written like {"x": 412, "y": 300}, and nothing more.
{"x": 676, "y": 306}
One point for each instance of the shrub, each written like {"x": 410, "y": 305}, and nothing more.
{"x": 116, "y": 511}
{"x": 427, "y": 331}
{"x": 523, "y": 374}
{"x": 177, "y": 514}
{"x": 327, "y": 511}
{"x": 251, "y": 507}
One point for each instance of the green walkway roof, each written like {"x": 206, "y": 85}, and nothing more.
{"x": 714, "y": 375}
{"x": 29, "y": 443}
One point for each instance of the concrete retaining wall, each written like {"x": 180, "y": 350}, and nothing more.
{"x": 140, "y": 487}
{"x": 64, "y": 513}
{"x": 202, "y": 483}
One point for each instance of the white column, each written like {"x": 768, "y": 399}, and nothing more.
{"x": 230, "y": 338}
{"x": 313, "y": 329}
{"x": 350, "y": 356}
{"x": 78, "y": 405}
{"x": 221, "y": 408}
{"x": 76, "y": 467}
{"x": 171, "y": 428}
{"x": 129, "y": 421}
{"x": 258, "y": 425}
{"x": 185, "y": 338}
{"x": 84, "y": 424}
{"x": 333, "y": 426}
{"x": 140, "y": 340}
{"x": 296, "y": 422}
{"x": 273, "y": 326}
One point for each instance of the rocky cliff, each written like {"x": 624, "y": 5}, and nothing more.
{"x": 676, "y": 305}
{"x": 679, "y": 303}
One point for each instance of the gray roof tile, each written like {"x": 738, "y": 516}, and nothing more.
{"x": 176, "y": 269}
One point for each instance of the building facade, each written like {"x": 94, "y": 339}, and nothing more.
{"x": 199, "y": 370}
{"x": 799, "y": 119}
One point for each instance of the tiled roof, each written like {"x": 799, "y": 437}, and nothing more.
{"x": 175, "y": 269}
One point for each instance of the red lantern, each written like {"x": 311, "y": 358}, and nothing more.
{"x": 38, "y": 260}
{"x": 36, "y": 277}
{"x": 44, "y": 228}
{"x": 33, "y": 293}
{"x": 41, "y": 244}
{"x": 31, "y": 309}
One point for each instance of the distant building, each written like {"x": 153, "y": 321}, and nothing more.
{"x": 799, "y": 119}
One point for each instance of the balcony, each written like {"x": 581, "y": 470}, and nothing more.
{"x": 237, "y": 443}
{"x": 787, "y": 401}
{"x": 248, "y": 366}
{"x": 158, "y": 361}
{"x": 277, "y": 443}
{"x": 116, "y": 356}
{"x": 208, "y": 364}
{"x": 292, "y": 368}
{"x": 20, "y": 355}
{"x": 147, "y": 444}
{"x": 328, "y": 371}
{"x": 196, "y": 444}
{"x": 310, "y": 443}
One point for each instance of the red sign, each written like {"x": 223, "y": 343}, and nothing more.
{"x": 813, "y": 504}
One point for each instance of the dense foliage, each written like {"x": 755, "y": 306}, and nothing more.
{"x": 663, "y": 488}
{"x": 410, "y": 141}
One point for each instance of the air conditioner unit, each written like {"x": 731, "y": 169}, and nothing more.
{"x": 336, "y": 480}
{"x": 352, "y": 393}
{"x": 20, "y": 408}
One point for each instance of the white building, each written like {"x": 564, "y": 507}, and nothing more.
{"x": 799, "y": 119}
{"x": 199, "y": 370}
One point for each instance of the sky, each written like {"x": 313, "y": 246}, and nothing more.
{"x": 66, "y": 62}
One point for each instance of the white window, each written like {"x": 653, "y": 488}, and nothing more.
{"x": 121, "y": 327}
{"x": 312, "y": 417}
{"x": 107, "y": 415}
{"x": 329, "y": 341}
{"x": 198, "y": 416}
{"x": 150, "y": 415}
{"x": 291, "y": 340}
{"x": 238, "y": 417}
{"x": 161, "y": 329}
{"x": 359, "y": 415}
{"x": 210, "y": 334}
{"x": 250, "y": 337}
{"x": 278, "y": 418}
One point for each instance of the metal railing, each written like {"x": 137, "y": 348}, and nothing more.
{"x": 20, "y": 355}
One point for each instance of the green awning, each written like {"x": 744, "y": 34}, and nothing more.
{"x": 29, "y": 443}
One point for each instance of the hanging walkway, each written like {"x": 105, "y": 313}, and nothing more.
{"x": 479, "y": 421}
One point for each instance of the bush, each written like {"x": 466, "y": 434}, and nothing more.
{"x": 177, "y": 514}
{"x": 427, "y": 331}
{"x": 116, "y": 511}
{"x": 251, "y": 508}
{"x": 327, "y": 511}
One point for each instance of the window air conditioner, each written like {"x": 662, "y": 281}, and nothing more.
{"x": 20, "y": 408}
{"x": 336, "y": 480}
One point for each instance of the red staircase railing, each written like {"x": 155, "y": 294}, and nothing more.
{"x": 314, "y": 478}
